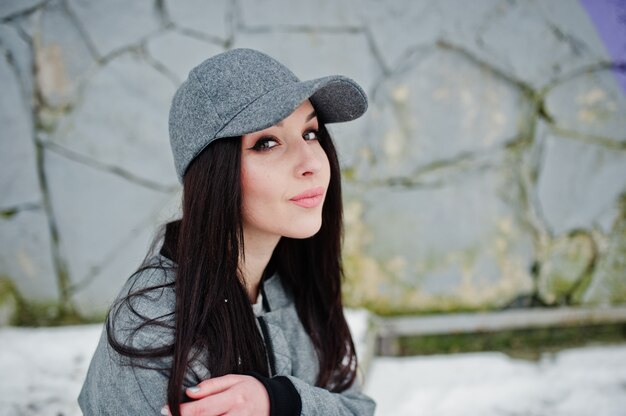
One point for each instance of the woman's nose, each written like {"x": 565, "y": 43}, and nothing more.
{"x": 309, "y": 157}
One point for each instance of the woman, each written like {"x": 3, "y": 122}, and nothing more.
{"x": 240, "y": 312}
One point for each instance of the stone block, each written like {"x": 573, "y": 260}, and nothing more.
{"x": 440, "y": 106}
{"x": 399, "y": 26}
{"x": 212, "y": 18}
{"x": 300, "y": 14}
{"x": 12, "y": 7}
{"x": 579, "y": 184}
{"x": 566, "y": 268}
{"x": 63, "y": 58}
{"x": 14, "y": 44}
{"x": 121, "y": 121}
{"x": 454, "y": 246}
{"x": 571, "y": 21}
{"x": 98, "y": 213}
{"x": 349, "y": 140}
{"x": 591, "y": 103}
{"x": 116, "y": 24}
{"x": 462, "y": 21}
{"x": 180, "y": 53}
{"x": 608, "y": 284}
{"x": 19, "y": 183}
{"x": 26, "y": 257}
{"x": 522, "y": 42}
{"x": 94, "y": 295}
{"x": 317, "y": 54}
{"x": 9, "y": 308}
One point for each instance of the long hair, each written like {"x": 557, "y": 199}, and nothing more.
{"x": 213, "y": 312}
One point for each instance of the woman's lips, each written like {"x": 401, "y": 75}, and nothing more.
{"x": 309, "y": 198}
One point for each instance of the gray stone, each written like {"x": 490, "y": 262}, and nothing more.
{"x": 299, "y": 14}
{"x": 208, "y": 17}
{"x": 312, "y": 55}
{"x": 568, "y": 261}
{"x": 26, "y": 255}
{"x": 608, "y": 285}
{"x": 462, "y": 21}
{"x": 579, "y": 184}
{"x": 63, "y": 58}
{"x": 398, "y": 26}
{"x": 523, "y": 43}
{"x": 97, "y": 214}
{"x": 455, "y": 245}
{"x": 572, "y": 22}
{"x": 349, "y": 140}
{"x": 180, "y": 53}
{"x": 21, "y": 55}
{"x": 122, "y": 119}
{"x": 94, "y": 295}
{"x": 592, "y": 103}
{"x": 19, "y": 183}
{"x": 440, "y": 106}
{"x": 28, "y": 23}
{"x": 401, "y": 27}
{"x": 8, "y": 302}
{"x": 116, "y": 24}
{"x": 12, "y": 7}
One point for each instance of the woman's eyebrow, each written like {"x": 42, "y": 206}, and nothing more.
{"x": 309, "y": 117}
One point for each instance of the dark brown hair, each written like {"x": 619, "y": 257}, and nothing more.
{"x": 206, "y": 243}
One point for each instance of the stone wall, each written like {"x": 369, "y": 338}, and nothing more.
{"x": 490, "y": 169}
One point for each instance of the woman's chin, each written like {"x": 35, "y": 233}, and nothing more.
{"x": 303, "y": 231}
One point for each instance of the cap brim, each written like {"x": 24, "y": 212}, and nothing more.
{"x": 336, "y": 98}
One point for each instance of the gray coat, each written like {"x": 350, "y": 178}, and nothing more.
{"x": 114, "y": 387}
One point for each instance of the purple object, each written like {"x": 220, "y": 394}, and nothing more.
{"x": 609, "y": 18}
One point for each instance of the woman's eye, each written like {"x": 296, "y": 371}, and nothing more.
{"x": 265, "y": 143}
{"x": 311, "y": 135}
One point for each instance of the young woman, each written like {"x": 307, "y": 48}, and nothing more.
{"x": 240, "y": 312}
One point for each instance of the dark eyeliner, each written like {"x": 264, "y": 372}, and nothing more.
{"x": 258, "y": 144}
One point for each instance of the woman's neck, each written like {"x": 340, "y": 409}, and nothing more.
{"x": 258, "y": 251}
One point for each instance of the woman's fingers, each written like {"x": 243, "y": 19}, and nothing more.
{"x": 214, "y": 405}
{"x": 212, "y": 386}
{"x": 230, "y": 394}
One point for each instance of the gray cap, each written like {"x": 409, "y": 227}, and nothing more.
{"x": 243, "y": 90}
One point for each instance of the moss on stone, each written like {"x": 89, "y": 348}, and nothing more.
{"x": 569, "y": 262}
{"x": 528, "y": 343}
{"x": 8, "y": 301}
{"x": 607, "y": 285}
{"x": 22, "y": 312}
{"x": 8, "y": 214}
{"x": 382, "y": 288}
{"x": 348, "y": 174}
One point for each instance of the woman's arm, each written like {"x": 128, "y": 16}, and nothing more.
{"x": 319, "y": 401}
{"x": 115, "y": 387}
{"x": 288, "y": 395}
{"x": 118, "y": 384}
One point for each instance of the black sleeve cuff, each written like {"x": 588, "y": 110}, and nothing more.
{"x": 284, "y": 398}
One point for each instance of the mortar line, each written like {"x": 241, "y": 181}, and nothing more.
{"x": 103, "y": 167}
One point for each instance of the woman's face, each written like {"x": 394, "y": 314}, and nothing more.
{"x": 285, "y": 174}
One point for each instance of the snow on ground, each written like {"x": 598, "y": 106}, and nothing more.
{"x": 584, "y": 381}
{"x": 41, "y": 372}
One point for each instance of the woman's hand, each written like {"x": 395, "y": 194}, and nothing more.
{"x": 232, "y": 394}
